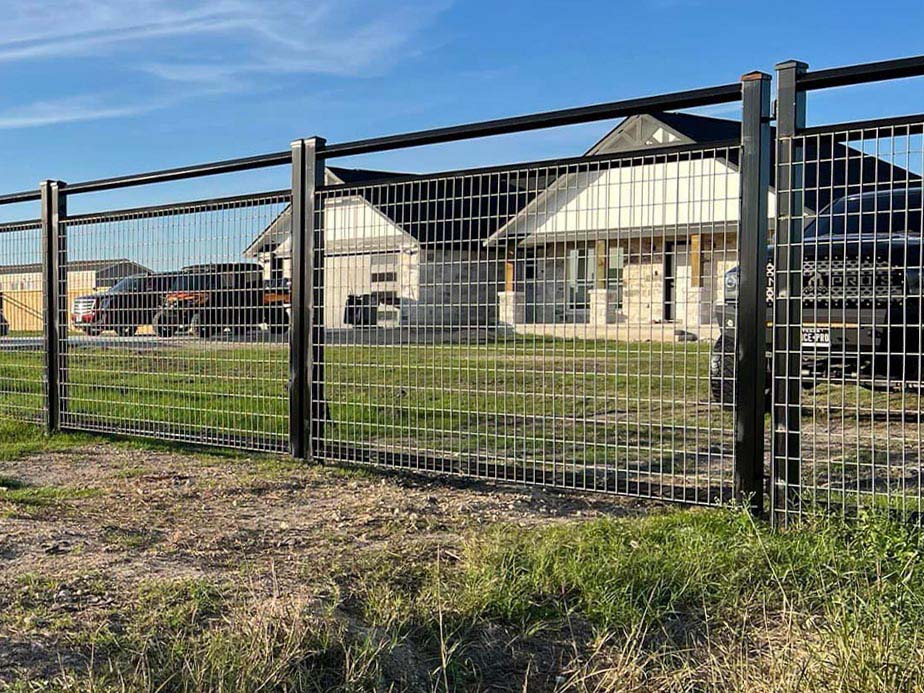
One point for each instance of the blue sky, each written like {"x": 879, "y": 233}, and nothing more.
{"x": 94, "y": 88}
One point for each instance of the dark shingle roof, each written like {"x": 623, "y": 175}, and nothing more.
{"x": 455, "y": 210}
{"x": 702, "y": 129}
{"x": 353, "y": 176}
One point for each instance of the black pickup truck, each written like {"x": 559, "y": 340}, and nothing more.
{"x": 206, "y": 300}
{"x": 125, "y": 307}
{"x": 861, "y": 290}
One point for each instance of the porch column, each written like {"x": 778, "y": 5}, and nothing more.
{"x": 511, "y": 306}
{"x": 602, "y": 299}
{"x": 694, "y": 293}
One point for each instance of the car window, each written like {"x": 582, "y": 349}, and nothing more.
{"x": 127, "y": 284}
{"x": 898, "y": 212}
{"x": 191, "y": 282}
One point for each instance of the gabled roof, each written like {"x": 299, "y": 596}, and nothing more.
{"x": 650, "y": 132}
{"x": 700, "y": 128}
{"x": 453, "y": 210}
{"x": 662, "y": 129}
{"x": 456, "y": 210}
{"x": 77, "y": 266}
{"x": 354, "y": 176}
{"x": 280, "y": 228}
{"x": 641, "y": 133}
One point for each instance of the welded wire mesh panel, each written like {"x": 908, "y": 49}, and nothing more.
{"x": 549, "y": 324}
{"x": 847, "y": 319}
{"x": 21, "y": 322}
{"x": 177, "y": 323}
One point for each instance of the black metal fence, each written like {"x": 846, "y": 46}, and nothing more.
{"x": 507, "y": 324}
{"x": 599, "y": 323}
{"x": 189, "y": 343}
{"x": 847, "y": 310}
{"x": 22, "y": 322}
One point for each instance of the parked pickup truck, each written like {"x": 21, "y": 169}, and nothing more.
{"x": 128, "y": 305}
{"x": 208, "y": 299}
{"x": 861, "y": 270}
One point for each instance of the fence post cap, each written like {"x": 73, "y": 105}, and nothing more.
{"x": 318, "y": 141}
{"x": 788, "y": 64}
{"x": 755, "y": 76}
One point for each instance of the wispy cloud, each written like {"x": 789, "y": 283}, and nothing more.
{"x": 91, "y": 27}
{"x": 71, "y": 110}
{"x": 325, "y": 36}
{"x": 197, "y": 47}
{"x": 101, "y": 106}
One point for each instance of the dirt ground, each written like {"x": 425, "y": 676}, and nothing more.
{"x": 127, "y": 515}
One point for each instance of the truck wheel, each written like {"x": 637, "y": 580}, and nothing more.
{"x": 722, "y": 373}
{"x": 162, "y": 328}
{"x": 722, "y": 370}
{"x": 199, "y": 329}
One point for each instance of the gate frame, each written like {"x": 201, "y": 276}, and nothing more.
{"x": 793, "y": 83}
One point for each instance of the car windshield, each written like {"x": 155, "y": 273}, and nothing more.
{"x": 191, "y": 282}
{"x": 898, "y": 212}
{"x": 126, "y": 285}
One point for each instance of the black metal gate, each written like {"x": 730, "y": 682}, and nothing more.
{"x": 847, "y": 306}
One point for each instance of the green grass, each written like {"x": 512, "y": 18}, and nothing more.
{"x": 19, "y": 439}
{"x": 685, "y": 601}
{"x": 19, "y": 498}
{"x": 580, "y": 409}
{"x": 542, "y": 399}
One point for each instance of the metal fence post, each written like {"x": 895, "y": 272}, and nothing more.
{"x": 54, "y": 287}
{"x": 306, "y": 339}
{"x": 787, "y": 306}
{"x": 752, "y": 311}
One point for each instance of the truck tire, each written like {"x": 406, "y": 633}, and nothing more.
{"x": 722, "y": 370}
{"x": 722, "y": 373}
{"x": 162, "y": 328}
{"x": 200, "y": 329}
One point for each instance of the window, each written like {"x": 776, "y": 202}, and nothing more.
{"x": 276, "y": 269}
{"x": 580, "y": 274}
{"x": 898, "y": 211}
{"x": 384, "y": 268}
{"x": 614, "y": 272}
{"x": 384, "y": 277}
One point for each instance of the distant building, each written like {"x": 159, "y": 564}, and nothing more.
{"x": 632, "y": 241}
{"x": 613, "y": 250}
{"x": 412, "y": 249}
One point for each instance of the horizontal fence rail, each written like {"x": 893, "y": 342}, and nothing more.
{"x": 601, "y": 322}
